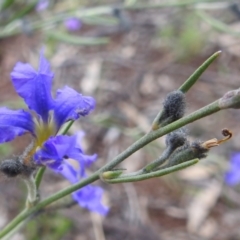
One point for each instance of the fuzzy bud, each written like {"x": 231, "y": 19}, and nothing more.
{"x": 15, "y": 167}
{"x": 176, "y": 138}
{"x": 174, "y": 107}
{"x": 188, "y": 152}
{"x": 11, "y": 168}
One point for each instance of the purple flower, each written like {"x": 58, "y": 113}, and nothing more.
{"x": 42, "y": 5}
{"x": 70, "y": 161}
{"x": 72, "y": 24}
{"x": 232, "y": 176}
{"x": 55, "y": 148}
{"x": 49, "y": 115}
{"x": 89, "y": 196}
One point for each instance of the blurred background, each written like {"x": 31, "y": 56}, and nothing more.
{"x": 128, "y": 55}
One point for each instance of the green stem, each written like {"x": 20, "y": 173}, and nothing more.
{"x": 76, "y": 40}
{"x": 39, "y": 176}
{"x": 65, "y": 131}
{"x": 184, "y": 88}
{"x": 203, "y": 112}
{"x": 159, "y": 173}
{"x": 159, "y": 161}
{"x": 166, "y": 4}
{"x": 218, "y": 25}
{"x": 195, "y": 76}
{"x": 32, "y": 191}
{"x": 11, "y": 234}
{"x": 28, "y": 212}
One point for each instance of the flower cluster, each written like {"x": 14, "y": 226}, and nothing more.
{"x": 62, "y": 154}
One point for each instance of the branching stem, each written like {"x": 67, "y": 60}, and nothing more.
{"x": 151, "y": 136}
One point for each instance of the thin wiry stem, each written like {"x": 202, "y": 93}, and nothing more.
{"x": 203, "y": 112}
{"x": 149, "y": 137}
{"x": 39, "y": 176}
{"x": 159, "y": 173}
{"x": 32, "y": 190}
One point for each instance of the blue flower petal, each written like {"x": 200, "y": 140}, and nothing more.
{"x": 63, "y": 147}
{"x": 235, "y": 160}
{"x": 70, "y": 105}
{"x": 34, "y": 86}
{"x": 90, "y": 197}
{"x": 48, "y": 156}
{"x": 87, "y": 197}
{"x": 14, "y": 123}
{"x": 69, "y": 172}
{"x": 232, "y": 176}
{"x": 56, "y": 153}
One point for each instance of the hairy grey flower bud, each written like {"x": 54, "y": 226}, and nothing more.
{"x": 174, "y": 107}
{"x": 188, "y": 152}
{"x": 21, "y": 165}
{"x": 176, "y": 138}
{"x": 11, "y": 168}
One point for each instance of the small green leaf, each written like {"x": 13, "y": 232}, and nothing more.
{"x": 195, "y": 76}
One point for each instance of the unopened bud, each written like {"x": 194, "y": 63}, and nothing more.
{"x": 111, "y": 174}
{"x": 174, "y": 107}
{"x": 15, "y": 167}
{"x": 230, "y": 100}
{"x": 196, "y": 150}
{"x": 11, "y": 168}
{"x": 176, "y": 138}
{"x": 188, "y": 152}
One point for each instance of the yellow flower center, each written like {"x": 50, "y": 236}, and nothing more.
{"x": 44, "y": 130}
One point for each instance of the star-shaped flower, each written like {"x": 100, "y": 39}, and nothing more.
{"x": 44, "y": 121}
{"x": 71, "y": 162}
